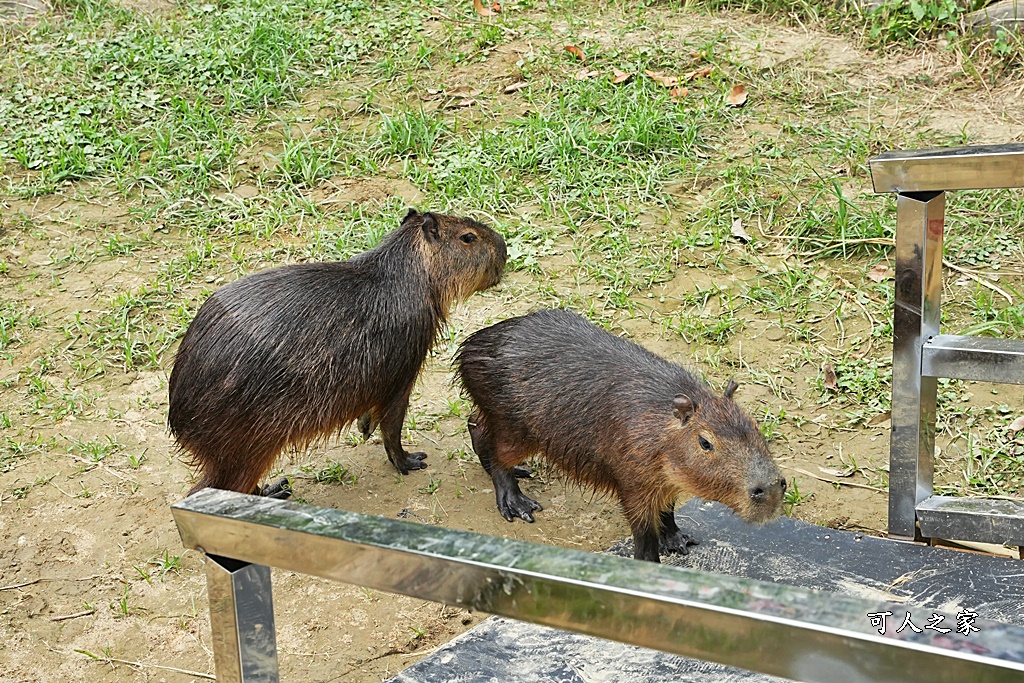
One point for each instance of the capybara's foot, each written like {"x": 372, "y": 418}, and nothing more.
{"x": 366, "y": 424}
{"x": 521, "y": 472}
{"x": 411, "y": 461}
{"x": 677, "y": 542}
{"x": 280, "y": 490}
{"x": 512, "y": 504}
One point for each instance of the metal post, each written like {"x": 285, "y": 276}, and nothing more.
{"x": 241, "y": 621}
{"x": 919, "y": 225}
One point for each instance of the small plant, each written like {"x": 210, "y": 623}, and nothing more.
{"x": 120, "y": 605}
{"x": 431, "y": 486}
{"x": 793, "y": 497}
{"x": 334, "y": 473}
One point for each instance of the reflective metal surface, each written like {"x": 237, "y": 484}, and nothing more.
{"x": 782, "y": 630}
{"x": 241, "y": 621}
{"x": 919, "y": 227}
{"x": 974, "y": 358}
{"x": 987, "y": 520}
{"x": 955, "y": 168}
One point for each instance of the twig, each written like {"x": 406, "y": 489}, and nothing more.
{"x": 837, "y": 481}
{"x": 979, "y": 280}
{"x": 19, "y": 585}
{"x": 65, "y": 617}
{"x": 143, "y": 665}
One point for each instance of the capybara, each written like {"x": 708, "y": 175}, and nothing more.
{"x": 289, "y": 355}
{"x": 614, "y": 416}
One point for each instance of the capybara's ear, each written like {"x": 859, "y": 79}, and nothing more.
{"x": 683, "y": 407}
{"x": 431, "y": 228}
{"x": 411, "y": 213}
{"x": 731, "y": 388}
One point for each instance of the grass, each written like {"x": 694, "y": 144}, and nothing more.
{"x": 619, "y": 200}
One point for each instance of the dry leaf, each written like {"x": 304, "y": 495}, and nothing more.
{"x": 478, "y": 5}
{"x": 515, "y": 87}
{"x": 584, "y": 74}
{"x": 1017, "y": 424}
{"x": 660, "y": 78}
{"x": 880, "y": 418}
{"x": 738, "y": 232}
{"x": 620, "y": 76}
{"x": 679, "y": 92}
{"x": 699, "y": 73}
{"x": 463, "y": 91}
{"x": 577, "y": 52}
{"x": 879, "y": 273}
{"x": 837, "y": 473}
{"x": 495, "y": 7}
{"x": 468, "y": 102}
{"x": 736, "y": 97}
{"x": 831, "y": 381}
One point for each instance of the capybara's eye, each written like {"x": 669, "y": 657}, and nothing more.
{"x": 704, "y": 443}
{"x": 468, "y": 238}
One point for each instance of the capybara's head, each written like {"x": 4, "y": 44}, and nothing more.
{"x": 462, "y": 255}
{"x": 718, "y": 453}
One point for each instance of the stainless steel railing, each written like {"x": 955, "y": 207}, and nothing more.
{"x": 920, "y": 180}
{"x": 783, "y": 630}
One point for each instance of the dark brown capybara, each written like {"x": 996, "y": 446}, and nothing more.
{"x": 611, "y": 415}
{"x": 290, "y": 355}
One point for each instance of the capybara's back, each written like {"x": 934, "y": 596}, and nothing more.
{"x": 614, "y": 416}
{"x": 292, "y": 354}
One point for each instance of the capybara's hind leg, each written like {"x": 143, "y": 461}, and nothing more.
{"x": 391, "y": 421}
{"x": 483, "y": 445}
{"x": 512, "y": 502}
{"x": 280, "y": 490}
{"x": 367, "y": 424}
{"x": 671, "y": 538}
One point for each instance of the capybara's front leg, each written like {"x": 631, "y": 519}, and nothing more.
{"x": 672, "y": 539}
{"x": 391, "y": 422}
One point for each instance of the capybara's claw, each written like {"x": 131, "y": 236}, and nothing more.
{"x": 677, "y": 542}
{"x": 411, "y": 461}
{"x": 521, "y": 472}
{"x": 518, "y": 505}
{"x": 280, "y": 490}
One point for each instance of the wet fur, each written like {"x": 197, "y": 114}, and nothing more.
{"x": 601, "y": 409}
{"x": 293, "y": 354}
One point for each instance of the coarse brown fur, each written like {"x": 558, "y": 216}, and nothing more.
{"x": 293, "y": 354}
{"x": 613, "y": 416}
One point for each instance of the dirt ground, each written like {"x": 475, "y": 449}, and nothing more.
{"x": 94, "y": 583}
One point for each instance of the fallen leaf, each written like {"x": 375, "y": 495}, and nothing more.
{"x": 515, "y": 87}
{"x": 620, "y": 76}
{"x": 1017, "y": 424}
{"x": 880, "y": 418}
{"x": 847, "y": 472}
{"x": 699, "y": 73}
{"x": 495, "y": 7}
{"x": 660, "y": 78}
{"x": 738, "y": 232}
{"x": 468, "y": 102}
{"x": 478, "y": 5}
{"x": 879, "y": 273}
{"x": 679, "y": 92}
{"x": 576, "y": 52}
{"x": 831, "y": 381}
{"x": 463, "y": 91}
{"x": 736, "y": 97}
{"x": 584, "y": 74}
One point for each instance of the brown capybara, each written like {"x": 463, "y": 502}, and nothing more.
{"x": 292, "y": 354}
{"x": 614, "y": 416}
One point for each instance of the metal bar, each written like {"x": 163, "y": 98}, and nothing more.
{"x": 951, "y": 168}
{"x": 975, "y": 358}
{"x": 919, "y": 225}
{"x": 242, "y": 621}
{"x": 987, "y": 520}
{"x": 793, "y": 632}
